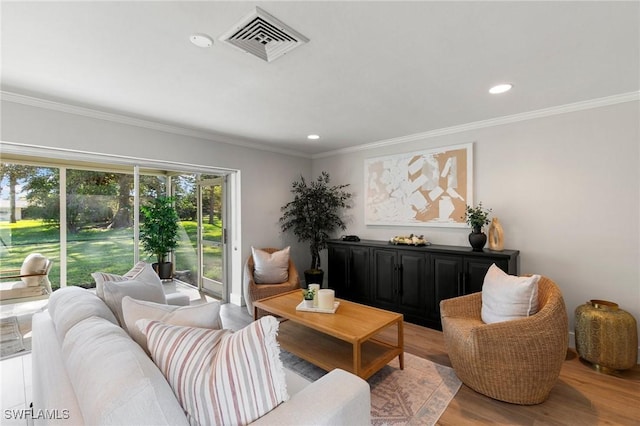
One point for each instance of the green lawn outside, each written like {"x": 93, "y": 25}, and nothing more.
{"x": 97, "y": 249}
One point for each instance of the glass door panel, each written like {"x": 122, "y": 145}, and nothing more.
{"x": 211, "y": 220}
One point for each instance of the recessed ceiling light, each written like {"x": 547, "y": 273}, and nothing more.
{"x": 313, "y": 137}
{"x": 201, "y": 40}
{"x": 500, "y": 88}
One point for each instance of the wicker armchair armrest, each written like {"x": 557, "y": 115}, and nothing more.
{"x": 468, "y": 306}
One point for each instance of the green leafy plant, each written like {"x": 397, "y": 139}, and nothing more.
{"x": 159, "y": 231}
{"x": 308, "y": 293}
{"x": 477, "y": 217}
{"x": 314, "y": 213}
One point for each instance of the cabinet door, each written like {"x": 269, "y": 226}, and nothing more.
{"x": 475, "y": 269}
{"x": 447, "y": 280}
{"x": 339, "y": 270}
{"x": 359, "y": 273}
{"x": 413, "y": 283}
{"x": 384, "y": 273}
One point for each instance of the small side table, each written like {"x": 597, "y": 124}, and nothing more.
{"x": 606, "y": 336}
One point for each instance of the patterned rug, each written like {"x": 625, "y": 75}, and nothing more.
{"x": 417, "y": 395}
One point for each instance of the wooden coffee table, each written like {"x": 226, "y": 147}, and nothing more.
{"x": 346, "y": 339}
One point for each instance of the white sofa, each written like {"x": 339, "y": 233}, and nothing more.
{"x": 87, "y": 370}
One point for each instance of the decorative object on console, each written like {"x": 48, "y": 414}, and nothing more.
{"x": 476, "y": 218}
{"x": 428, "y": 188}
{"x": 313, "y": 215}
{"x": 159, "y": 232}
{"x": 606, "y": 336}
{"x": 496, "y": 235}
{"x": 411, "y": 240}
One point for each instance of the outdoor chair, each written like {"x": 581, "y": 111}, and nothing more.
{"x": 31, "y": 281}
{"x": 516, "y": 361}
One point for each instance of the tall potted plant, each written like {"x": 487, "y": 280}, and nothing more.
{"x": 313, "y": 215}
{"x": 159, "y": 232}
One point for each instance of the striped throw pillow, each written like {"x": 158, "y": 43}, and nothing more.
{"x": 220, "y": 377}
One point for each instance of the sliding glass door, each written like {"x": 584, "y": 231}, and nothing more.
{"x": 212, "y": 235}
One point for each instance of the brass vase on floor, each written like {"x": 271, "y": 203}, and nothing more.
{"x": 606, "y": 336}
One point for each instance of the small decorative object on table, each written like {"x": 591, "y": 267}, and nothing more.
{"x": 496, "y": 235}
{"x": 411, "y": 240}
{"x": 476, "y": 218}
{"x": 308, "y": 295}
{"x": 606, "y": 336}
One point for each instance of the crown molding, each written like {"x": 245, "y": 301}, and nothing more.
{"x": 531, "y": 115}
{"x": 138, "y": 122}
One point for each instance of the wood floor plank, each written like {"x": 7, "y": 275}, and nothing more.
{"x": 582, "y": 395}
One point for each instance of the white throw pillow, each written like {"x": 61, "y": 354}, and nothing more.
{"x": 33, "y": 264}
{"x": 141, "y": 271}
{"x": 114, "y": 292}
{"x": 205, "y": 315}
{"x": 220, "y": 377}
{"x": 506, "y": 297}
{"x": 270, "y": 268}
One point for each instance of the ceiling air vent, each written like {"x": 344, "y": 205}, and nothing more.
{"x": 264, "y": 36}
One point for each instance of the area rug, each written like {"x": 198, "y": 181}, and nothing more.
{"x": 417, "y": 395}
{"x": 11, "y": 341}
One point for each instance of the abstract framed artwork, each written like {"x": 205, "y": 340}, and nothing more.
{"x": 421, "y": 188}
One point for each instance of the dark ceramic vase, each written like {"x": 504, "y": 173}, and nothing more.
{"x": 477, "y": 239}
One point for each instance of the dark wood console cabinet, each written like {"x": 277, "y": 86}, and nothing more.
{"x": 410, "y": 280}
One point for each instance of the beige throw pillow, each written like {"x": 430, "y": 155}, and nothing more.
{"x": 270, "y": 268}
{"x": 206, "y": 315}
{"x": 141, "y": 271}
{"x": 114, "y": 292}
{"x": 219, "y": 377}
{"x": 506, "y": 297}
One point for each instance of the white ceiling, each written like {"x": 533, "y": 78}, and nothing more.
{"x": 372, "y": 71}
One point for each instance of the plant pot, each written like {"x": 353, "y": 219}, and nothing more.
{"x": 308, "y": 303}
{"x": 164, "y": 270}
{"x": 313, "y": 276}
{"x": 477, "y": 239}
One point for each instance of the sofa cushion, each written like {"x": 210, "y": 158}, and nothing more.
{"x": 114, "y": 292}
{"x": 206, "y": 315}
{"x": 141, "y": 271}
{"x": 70, "y": 305}
{"x": 506, "y": 297}
{"x": 114, "y": 381}
{"x": 220, "y": 377}
{"x": 34, "y": 263}
{"x": 270, "y": 268}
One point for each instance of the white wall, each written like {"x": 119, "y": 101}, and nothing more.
{"x": 265, "y": 176}
{"x": 566, "y": 189}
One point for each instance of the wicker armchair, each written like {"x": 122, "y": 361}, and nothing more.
{"x": 253, "y": 291}
{"x": 515, "y": 361}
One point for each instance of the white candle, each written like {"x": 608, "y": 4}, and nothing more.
{"x": 325, "y": 298}
{"x": 316, "y": 287}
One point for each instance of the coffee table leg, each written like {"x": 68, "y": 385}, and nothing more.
{"x": 357, "y": 359}
{"x": 401, "y": 343}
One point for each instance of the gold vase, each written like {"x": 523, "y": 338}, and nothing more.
{"x": 496, "y": 235}
{"x": 606, "y": 336}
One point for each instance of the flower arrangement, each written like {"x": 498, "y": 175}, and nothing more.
{"x": 477, "y": 217}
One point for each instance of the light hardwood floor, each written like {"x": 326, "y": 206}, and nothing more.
{"x": 582, "y": 396}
